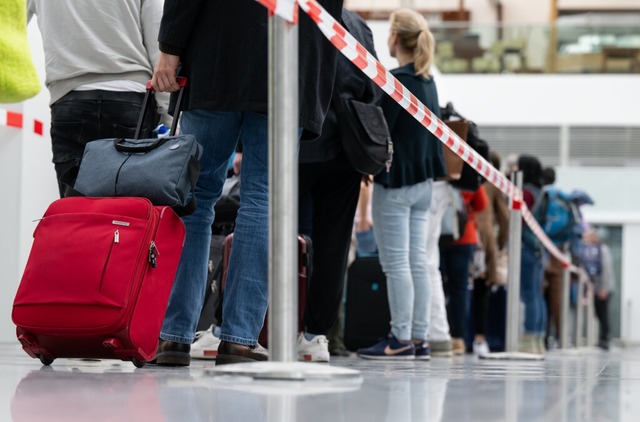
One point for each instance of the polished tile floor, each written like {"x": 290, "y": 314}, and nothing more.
{"x": 585, "y": 385}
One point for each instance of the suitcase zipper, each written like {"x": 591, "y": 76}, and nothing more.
{"x": 153, "y": 253}
{"x": 116, "y": 239}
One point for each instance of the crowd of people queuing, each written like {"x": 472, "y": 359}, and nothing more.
{"x": 221, "y": 46}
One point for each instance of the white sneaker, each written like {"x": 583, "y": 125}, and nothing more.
{"x": 206, "y": 345}
{"x": 316, "y": 350}
{"x": 481, "y": 349}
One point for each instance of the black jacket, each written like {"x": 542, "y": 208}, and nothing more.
{"x": 350, "y": 83}
{"x": 224, "y": 53}
{"x": 417, "y": 153}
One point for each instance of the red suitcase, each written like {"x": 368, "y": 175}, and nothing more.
{"x": 305, "y": 259}
{"x": 98, "y": 279}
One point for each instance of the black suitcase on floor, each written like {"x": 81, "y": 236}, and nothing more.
{"x": 367, "y": 315}
{"x": 208, "y": 315}
{"x": 305, "y": 268}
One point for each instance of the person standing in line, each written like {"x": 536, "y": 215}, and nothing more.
{"x": 99, "y": 56}
{"x": 401, "y": 197}
{"x": 329, "y": 189}
{"x": 493, "y": 231}
{"x": 222, "y": 47}
{"x": 439, "y": 335}
{"x": 597, "y": 261}
{"x": 531, "y": 267}
{"x": 455, "y": 259}
{"x": 552, "y": 280}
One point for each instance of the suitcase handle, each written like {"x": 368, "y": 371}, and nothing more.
{"x": 183, "y": 82}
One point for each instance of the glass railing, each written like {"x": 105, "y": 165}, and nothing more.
{"x": 464, "y": 48}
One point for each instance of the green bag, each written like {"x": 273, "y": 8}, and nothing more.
{"x": 18, "y": 77}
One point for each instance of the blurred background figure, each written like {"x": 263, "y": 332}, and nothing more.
{"x": 598, "y": 264}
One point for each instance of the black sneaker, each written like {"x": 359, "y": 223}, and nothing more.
{"x": 423, "y": 352}
{"x": 388, "y": 348}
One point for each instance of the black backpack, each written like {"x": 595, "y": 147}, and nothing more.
{"x": 470, "y": 179}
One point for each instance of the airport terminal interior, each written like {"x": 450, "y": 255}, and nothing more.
{"x": 556, "y": 79}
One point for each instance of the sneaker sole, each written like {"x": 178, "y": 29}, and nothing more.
{"x": 318, "y": 357}
{"x": 387, "y": 357}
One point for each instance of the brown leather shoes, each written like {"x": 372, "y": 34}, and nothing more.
{"x": 238, "y": 353}
{"x": 171, "y": 353}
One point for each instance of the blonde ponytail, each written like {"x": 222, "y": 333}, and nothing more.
{"x": 415, "y": 38}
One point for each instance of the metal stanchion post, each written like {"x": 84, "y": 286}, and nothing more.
{"x": 591, "y": 317}
{"x": 283, "y": 222}
{"x": 565, "y": 305}
{"x": 579, "y": 314}
{"x": 283, "y": 190}
{"x": 513, "y": 282}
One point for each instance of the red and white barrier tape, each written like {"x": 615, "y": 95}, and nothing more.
{"x": 16, "y": 120}
{"x": 359, "y": 56}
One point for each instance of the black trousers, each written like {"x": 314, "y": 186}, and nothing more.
{"x": 83, "y": 116}
{"x": 328, "y": 194}
{"x": 480, "y": 302}
{"x": 602, "y": 312}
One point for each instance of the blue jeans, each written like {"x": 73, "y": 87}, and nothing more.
{"x": 535, "y": 313}
{"x": 246, "y": 290}
{"x": 400, "y": 221}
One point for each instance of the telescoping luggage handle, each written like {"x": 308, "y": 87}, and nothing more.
{"x": 182, "y": 81}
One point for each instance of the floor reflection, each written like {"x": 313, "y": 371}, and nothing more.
{"x": 587, "y": 386}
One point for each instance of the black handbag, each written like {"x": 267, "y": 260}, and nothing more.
{"x": 365, "y": 135}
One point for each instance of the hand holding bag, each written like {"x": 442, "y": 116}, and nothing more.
{"x": 164, "y": 170}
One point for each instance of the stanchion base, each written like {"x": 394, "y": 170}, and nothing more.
{"x": 512, "y": 356}
{"x": 295, "y": 371}
{"x": 577, "y": 350}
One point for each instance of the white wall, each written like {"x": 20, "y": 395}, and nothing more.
{"x": 533, "y": 99}
{"x": 29, "y": 186}
{"x": 11, "y": 174}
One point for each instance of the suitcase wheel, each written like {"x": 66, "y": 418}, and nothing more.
{"x": 137, "y": 362}
{"x": 45, "y": 360}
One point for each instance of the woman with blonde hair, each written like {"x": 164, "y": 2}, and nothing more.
{"x": 401, "y": 196}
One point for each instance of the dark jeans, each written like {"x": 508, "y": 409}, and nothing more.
{"x": 83, "y": 116}
{"x": 602, "y": 312}
{"x": 454, "y": 265}
{"x": 328, "y": 198}
{"x": 480, "y": 301}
